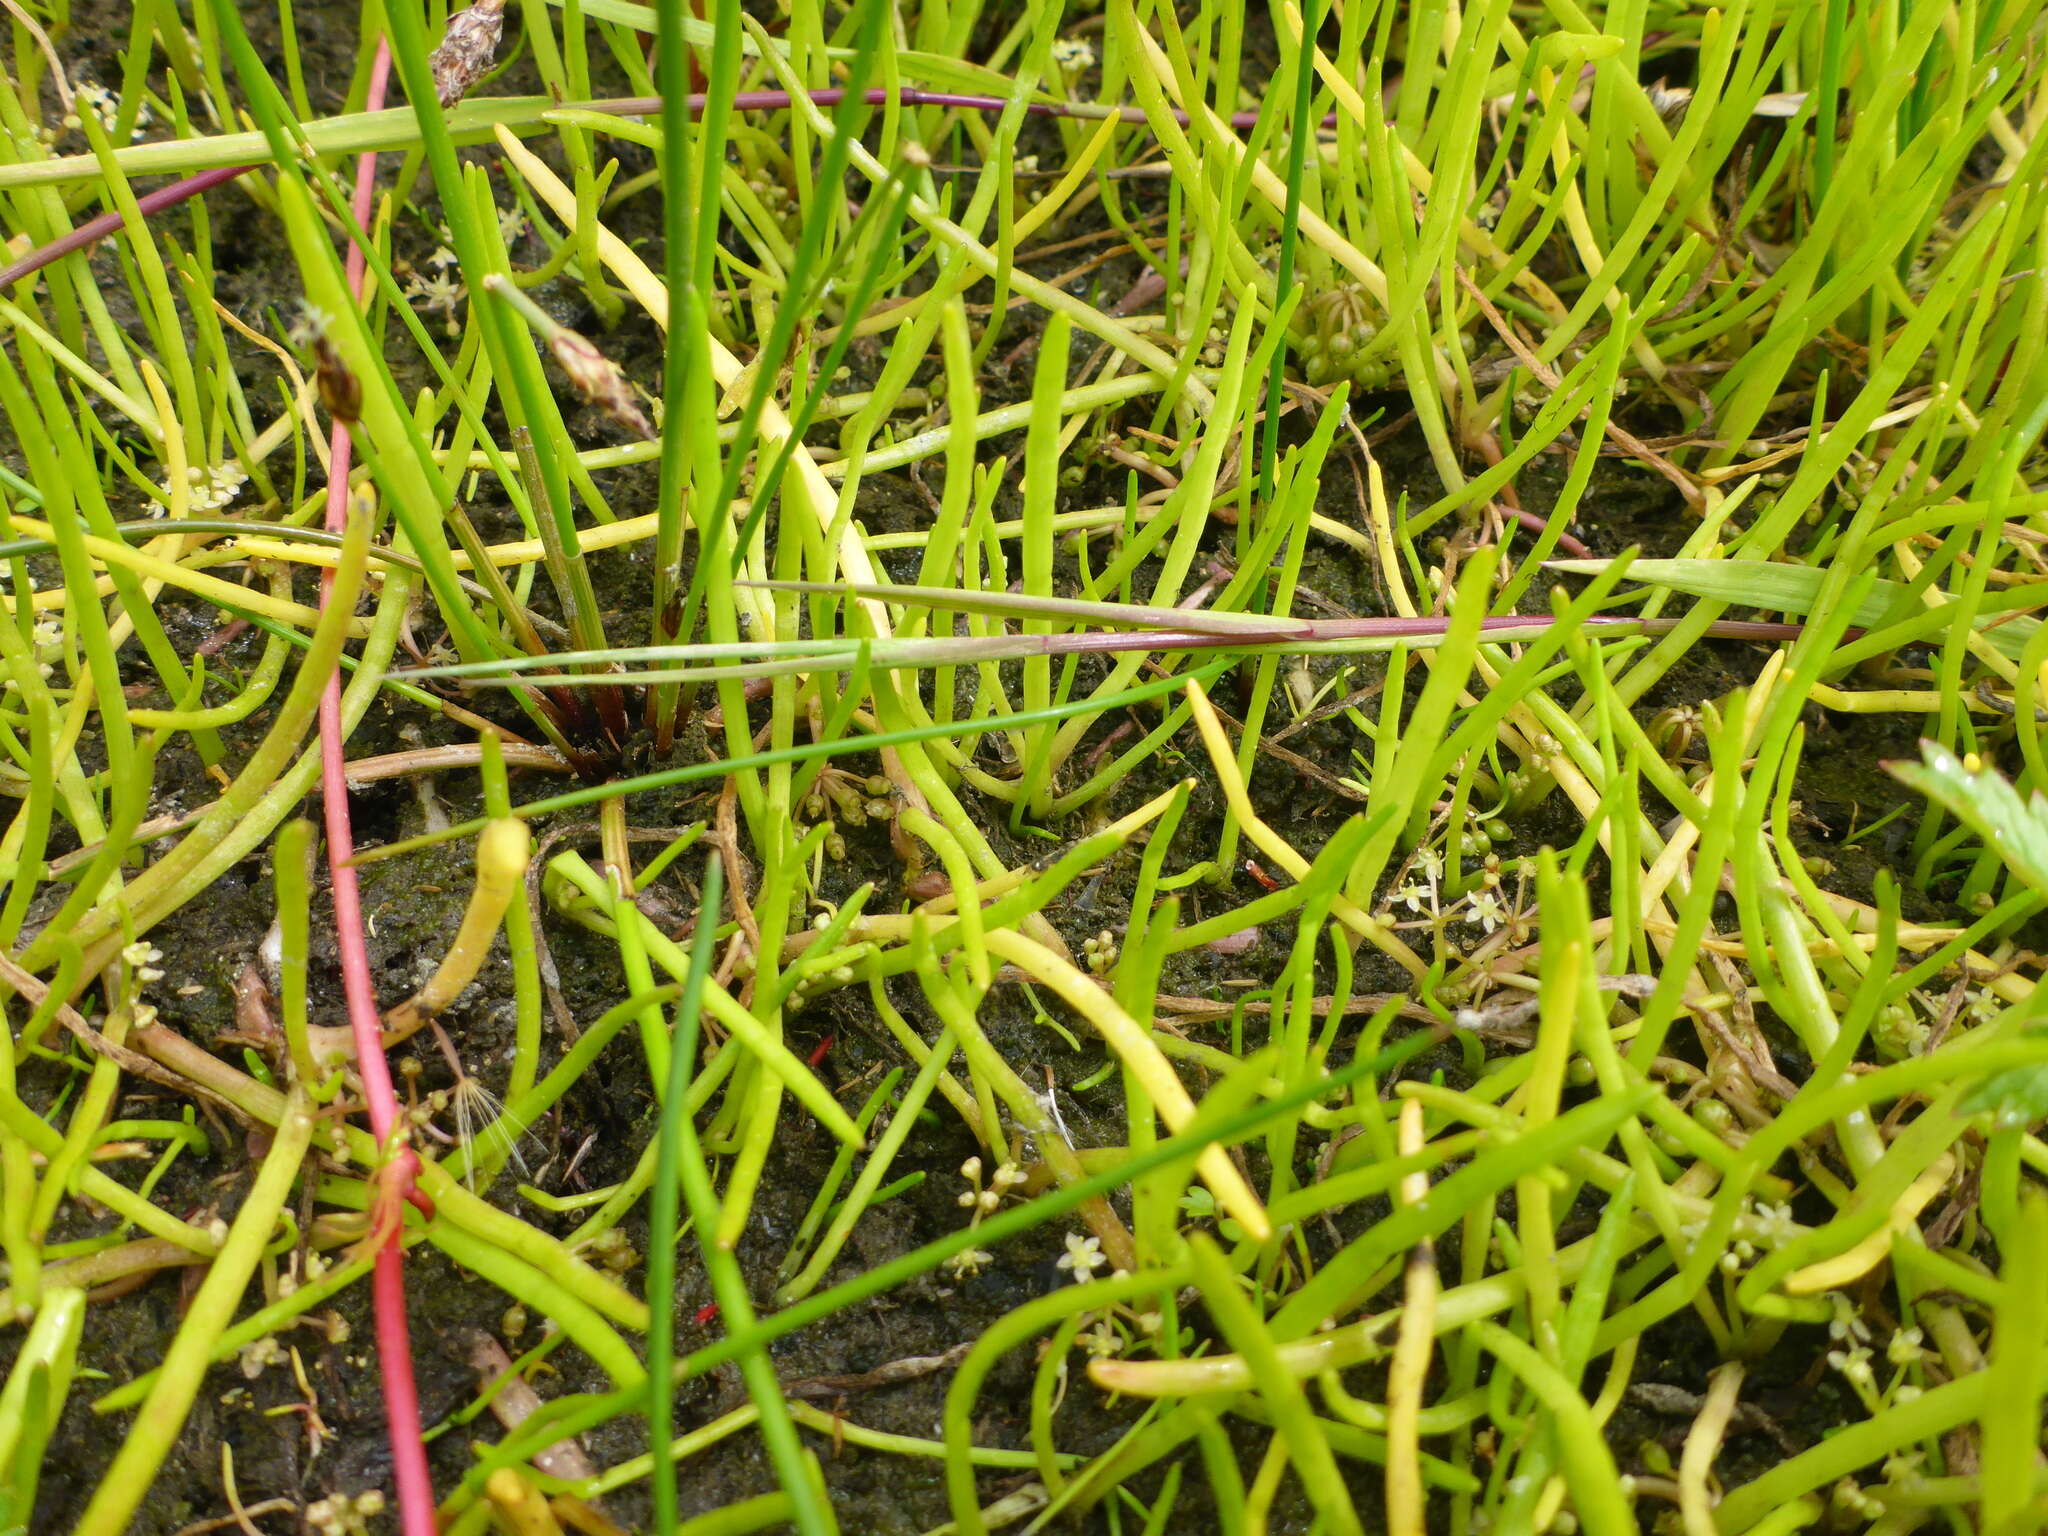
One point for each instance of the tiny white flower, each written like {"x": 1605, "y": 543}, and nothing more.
{"x": 265, "y": 1351}
{"x": 436, "y": 294}
{"x": 1102, "y": 1341}
{"x": 1083, "y": 1256}
{"x": 312, "y": 323}
{"x": 1774, "y": 1225}
{"x": 1854, "y": 1364}
{"x": 209, "y": 489}
{"x": 1073, "y": 53}
{"x": 1486, "y": 911}
{"x": 969, "y": 1262}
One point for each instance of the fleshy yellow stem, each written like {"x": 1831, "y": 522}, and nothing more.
{"x": 501, "y": 852}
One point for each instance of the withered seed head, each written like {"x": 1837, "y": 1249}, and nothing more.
{"x": 598, "y": 380}
{"x": 1671, "y": 101}
{"x": 340, "y": 390}
{"x": 467, "y": 50}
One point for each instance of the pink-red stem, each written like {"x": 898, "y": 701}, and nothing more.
{"x": 105, "y": 224}
{"x": 394, "y": 1343}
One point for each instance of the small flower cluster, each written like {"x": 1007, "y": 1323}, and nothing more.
{"x": 439, "y": 292}
{"x": 1898, "y": 1031}
{"x": 775, "y": 196}
{"x": 260, "y": 1354}
{"x": 1488, "y": 909}
{"x": 1672, "y": 731}
{"x": 1107, "y": 1335}
{"x": 1334, "y": 332}
{"x": 315, "y": 1267}
{"x": 1100, "y": 952}
{"x": 969, "y": 1262}
{"x": 841, "y": 799}
{"x": 207, "y": 488}
{"x": 816, "y": 977}
{"x": 1854, "y": 1356}
{"x": 983, "y": 1201}
{"x": 1420, "y": 895}
{"x": 1983, "y": 1007}
{"x": 614, "y": 1251}
{"x": 1073, "y": 54}
{"x": 340, "y": 1515}
{"x": 1851, "y": 1502}
{"x": 1761, "y": 1226}
{"x": 47, "y": 642}
{"x": 91, "y": 96}
{"x": 142, "y": 959}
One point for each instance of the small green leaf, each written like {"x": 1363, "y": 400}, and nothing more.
{"x": 1985, "y": 801}
{"x": 2018, "y": 1096}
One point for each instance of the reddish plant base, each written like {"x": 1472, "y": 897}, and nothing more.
{"x": 394, "y": 1180}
